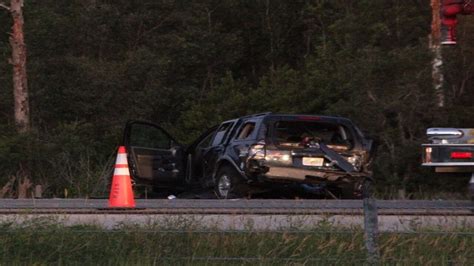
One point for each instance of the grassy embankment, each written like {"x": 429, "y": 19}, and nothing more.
{"x": 43, "y": 243}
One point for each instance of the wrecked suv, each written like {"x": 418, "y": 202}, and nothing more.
{"x": 257, "y": 152}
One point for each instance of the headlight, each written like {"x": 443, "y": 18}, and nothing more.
{"x": 283, "y": 157}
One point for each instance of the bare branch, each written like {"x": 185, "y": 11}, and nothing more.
{"x": 4, "y": 6}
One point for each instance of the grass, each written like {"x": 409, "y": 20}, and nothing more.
{"x": 41, "y": 242}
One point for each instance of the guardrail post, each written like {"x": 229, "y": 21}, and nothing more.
{"x": 38, "y": 191}
{"x": 370, "y": 224}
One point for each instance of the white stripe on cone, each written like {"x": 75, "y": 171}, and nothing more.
{"x": 121, "y": 171}
{"x": 121, "y": 158}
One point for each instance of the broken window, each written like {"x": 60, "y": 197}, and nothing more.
{"x": 246, "y": 130}
{"x": 221, "y": 134}
{"x": 294, "y": 133}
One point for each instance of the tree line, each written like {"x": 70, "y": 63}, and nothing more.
{"x": 94, "y": 64}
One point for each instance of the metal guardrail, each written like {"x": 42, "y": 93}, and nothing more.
{"x": 369, "y": 208}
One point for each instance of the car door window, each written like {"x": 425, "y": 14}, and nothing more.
{"x": 246, "y": 131}
{"x": 221, "y": 134}
{"x": 142, "y": 135}
{"x": 206, "y": 141}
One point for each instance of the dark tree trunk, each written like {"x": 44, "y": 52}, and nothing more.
{"x": 20, "y": 85}
{"x": 435, "y": 45}
{"x": 20, "y": 89}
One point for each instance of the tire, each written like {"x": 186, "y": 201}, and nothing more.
{"x": 229, "y": 184}
{"x": 349, "y": 191}
{"x": 353, "y": 189}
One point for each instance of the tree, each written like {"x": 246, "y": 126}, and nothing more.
{"x": 93, "y": 64}
{"x": 18, "y": 60}
{"x": 20, "y": 88}
{"x": 435, "y": 46}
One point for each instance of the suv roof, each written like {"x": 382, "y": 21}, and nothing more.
{"x": 271, "y": 115}
{"x": 306, "y": 116}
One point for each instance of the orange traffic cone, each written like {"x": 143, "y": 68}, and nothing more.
{"x": 121, "y": 193}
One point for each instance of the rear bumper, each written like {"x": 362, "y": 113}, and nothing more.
{"x": 298, "y": 175}
{"x": 440, "y": 155}
{"x": 448, "y": 164}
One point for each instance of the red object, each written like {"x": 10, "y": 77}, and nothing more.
{"x": 461, "y": 155}
{"x": 121, "y": 192}
{"x": 449, "y": 11}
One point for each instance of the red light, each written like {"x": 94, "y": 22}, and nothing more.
{"x": 461, "y": 155}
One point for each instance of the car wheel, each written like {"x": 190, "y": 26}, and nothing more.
{"x": 351, "y": 190}
{"x": 229, "y": 184}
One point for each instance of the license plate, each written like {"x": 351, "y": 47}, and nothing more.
{"x": 313, "y": 161}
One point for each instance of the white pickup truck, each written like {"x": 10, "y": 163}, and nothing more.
{"x": 450, "y": 150}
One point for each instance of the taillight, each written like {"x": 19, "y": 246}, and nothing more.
{"x": 278, "y": 156}
{"x": 257, "y": 151}
{"x": 355, "y": 160}
{"x": 428, "y": 151}
{"x": 461, "y": 155}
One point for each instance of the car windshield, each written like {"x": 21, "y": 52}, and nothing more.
{"x": 297, "y": 133}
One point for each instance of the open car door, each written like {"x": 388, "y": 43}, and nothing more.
{"x": 154, "y": 156}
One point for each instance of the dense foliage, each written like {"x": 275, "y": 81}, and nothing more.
{"x": 94, "y": 64}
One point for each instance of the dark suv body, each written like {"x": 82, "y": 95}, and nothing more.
{"x": 256, "y": 152}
